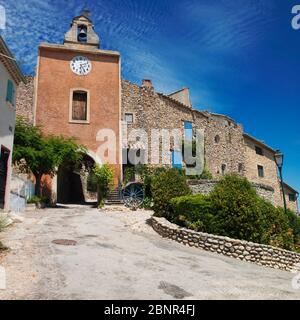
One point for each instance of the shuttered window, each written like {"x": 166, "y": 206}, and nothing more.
{"x": 79, "y": 106}
{"x": 10, "y": 94}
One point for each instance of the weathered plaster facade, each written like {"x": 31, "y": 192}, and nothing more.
{"x": 10, "y": 77}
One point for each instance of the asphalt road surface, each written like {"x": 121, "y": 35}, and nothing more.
{"x": 116, "y": 255}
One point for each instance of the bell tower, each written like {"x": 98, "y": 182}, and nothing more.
{"x": 82, "y": 33}
{"x": 78, "y": 89}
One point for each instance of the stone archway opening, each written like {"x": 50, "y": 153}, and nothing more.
{"x": 73, "y": 183}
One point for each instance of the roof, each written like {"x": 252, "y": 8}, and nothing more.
{"x": 82, "y": 16}
{"x": 222, "y": 116}
{"x": 79, "y": 49}
{"x": 10, "y": 63}
{"x": 291, "y": 188}
{"x": 181, "y": 104}
{"x": 177, "y": 91}
{"x": 246, "y": 135}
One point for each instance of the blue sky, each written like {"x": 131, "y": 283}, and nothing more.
{"x": 238, "y": 57}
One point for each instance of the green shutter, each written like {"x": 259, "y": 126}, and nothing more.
{"x": 10, "y": 95}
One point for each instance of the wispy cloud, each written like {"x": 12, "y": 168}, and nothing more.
{"x": 175, "y": 43}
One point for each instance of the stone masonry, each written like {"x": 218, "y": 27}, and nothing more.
{"x": 227, "y": 147}
{"x": 25, "y": 100}
{"x": 206, "y": 186}
{"x": 260, "y": 254}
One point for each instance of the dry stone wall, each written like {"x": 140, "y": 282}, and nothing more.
{"x": 263, "y": 255}
{"x": 206, "y": 186}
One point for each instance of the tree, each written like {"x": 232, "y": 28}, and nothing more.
{"x": 42, "y": 155}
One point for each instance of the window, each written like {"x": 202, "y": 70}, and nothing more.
{"x": 223, "y": 169}
{"x": 292, "y": 197}
{"x": 188, "y": 130}
{"x": 241, "y": 167}
{"x": 259, "y": 151}
{"x": 79, "y": 106}
{"x": 10, "y": 94}
{"x": 261, "y": 172}
{"x": 129, "y": 117}
{"x": 217, "y": 139}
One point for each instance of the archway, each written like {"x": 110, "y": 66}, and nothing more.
{"x": 72, "y": 183}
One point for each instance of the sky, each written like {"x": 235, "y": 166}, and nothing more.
{"x": 238, "y": 57}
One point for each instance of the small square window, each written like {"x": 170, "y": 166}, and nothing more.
{"x": 292, "y": 197}
{"x": 259, "y": 151}
{"x": 261, "y": 171}
{"x": 129, "y": 117}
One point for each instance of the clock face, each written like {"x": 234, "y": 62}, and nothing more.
{"x": 81, "y": 65}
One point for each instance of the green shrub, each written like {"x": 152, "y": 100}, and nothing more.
{"x": 147, "y": 204}
{"x": 129, "y": 175}
{"x": 147, "y": 174}
{"x": 294, "y": 224}
{"x": 104, "y": 178}
{"x": 165, "y": 186}
{"x": 193, "y": 212}
{"x": 235, "y": 205}
{"x": 275, "y": 226}
{"x": 235, "y": 210}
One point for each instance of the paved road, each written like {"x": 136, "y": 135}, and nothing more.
{"x": 118, "y": 256}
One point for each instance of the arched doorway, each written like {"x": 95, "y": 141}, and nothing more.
{"x": 72, "y": 183}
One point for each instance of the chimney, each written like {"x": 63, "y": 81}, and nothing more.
{"x": 146, "y": 83}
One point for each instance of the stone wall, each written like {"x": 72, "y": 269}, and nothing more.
{"x": 206, "y": 186}
{"x": 267, "y": 162}
{"x": 246, "y": 251}
{"x": 227, "y": 148}
{"x": 25, "y": 100}
{"x": 152, "y": 110}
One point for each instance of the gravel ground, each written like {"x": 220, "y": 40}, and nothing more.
{"x": 118, "y": 256}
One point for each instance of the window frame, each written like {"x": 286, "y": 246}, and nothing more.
{"x": 129, "y": 113}
{"x": 261, "y": 169}
{"x": 259, "y": 151}
{"x": 71, "y": 120}
{"x": 10, "y": 93}
{"x": 292, "y": 197}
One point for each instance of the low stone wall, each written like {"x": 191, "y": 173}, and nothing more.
{"x": 247, "y": 251}
{"x": 206, "y": 186}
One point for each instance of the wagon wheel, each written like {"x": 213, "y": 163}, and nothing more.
{"x": 133, "y": 195}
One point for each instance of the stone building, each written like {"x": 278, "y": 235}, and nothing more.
{"x": 47, "y": 100}
{"x": 77, "y": 93}
{"x": 10, "y": 77}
